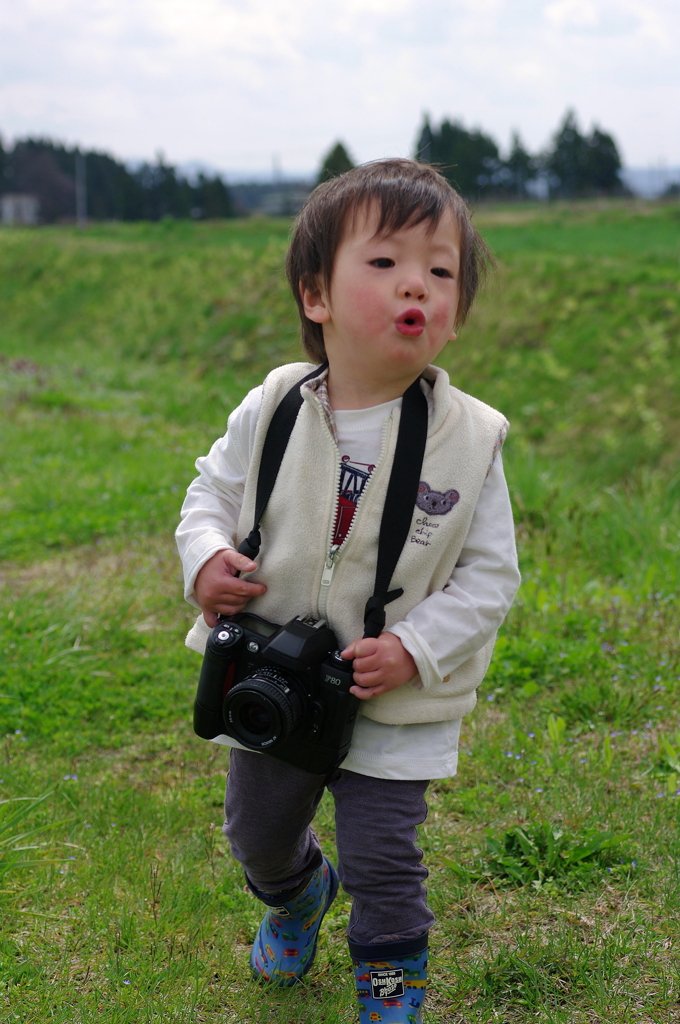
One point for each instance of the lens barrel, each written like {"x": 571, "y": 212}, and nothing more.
{"x": 264, "y": 709}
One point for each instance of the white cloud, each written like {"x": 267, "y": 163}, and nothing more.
{"x": 234, "y": 81}
{"x": 572, "y": 13}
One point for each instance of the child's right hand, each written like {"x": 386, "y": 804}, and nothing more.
{"x": 219, "y": 590}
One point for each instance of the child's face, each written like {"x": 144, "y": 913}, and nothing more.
{"x": 392, "y": 303}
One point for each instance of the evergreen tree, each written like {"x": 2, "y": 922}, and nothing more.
{"x": 520, "y": 168}
{"x": 336, "y": 161}
{"x": 468, "y": 159}
{"x": 114, "y": 192}
{"x": 604, "y": 163}
{"x": 213, "y": 198}
{"x": 424, "y": 144}
{"x": 36, "y": 167}
{"x": 567, "y": 162}
{"x": 581, "y": 165}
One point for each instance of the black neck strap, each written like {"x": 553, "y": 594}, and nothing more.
{"x": 400, "y": 500}
{"x": 274, "y": 448}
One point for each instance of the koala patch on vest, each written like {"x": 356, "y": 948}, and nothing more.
{"x": 435, "y": 503}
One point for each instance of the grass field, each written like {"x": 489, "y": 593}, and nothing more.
{"x": 554, "y": 854}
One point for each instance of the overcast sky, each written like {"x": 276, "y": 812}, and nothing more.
{"x": 235, "y": 83}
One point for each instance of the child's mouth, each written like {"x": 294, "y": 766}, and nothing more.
{"x": 411, "y": 323}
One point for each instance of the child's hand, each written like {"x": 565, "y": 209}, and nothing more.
{"x": 218, "y": 589}
{"x": 380, "y": 664}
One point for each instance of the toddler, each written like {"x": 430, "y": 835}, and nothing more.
{"x": 384, "y": 264}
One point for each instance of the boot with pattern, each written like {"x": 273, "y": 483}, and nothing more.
{"x": 285, "y": 945}
{"x": 391, "y": 979}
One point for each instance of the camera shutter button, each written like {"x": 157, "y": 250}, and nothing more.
{"x": 253, "y": 646}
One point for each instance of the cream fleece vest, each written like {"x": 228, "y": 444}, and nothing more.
{"x": 464, "y": 436}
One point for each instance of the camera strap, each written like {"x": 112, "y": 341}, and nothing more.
{"x": 274, "y": 448}
{"x": 400, "y": 500}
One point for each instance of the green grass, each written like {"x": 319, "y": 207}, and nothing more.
{"x": 122, "y": 351}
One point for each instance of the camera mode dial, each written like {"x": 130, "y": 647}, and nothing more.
{"x": 226, "y": 634}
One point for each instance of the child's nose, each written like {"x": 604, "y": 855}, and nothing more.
{"x": 413, "y": 287}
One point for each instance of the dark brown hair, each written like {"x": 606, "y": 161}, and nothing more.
{"x": 406, "y": 193}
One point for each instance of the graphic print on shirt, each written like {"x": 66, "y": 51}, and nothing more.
{"x": 353, "y": 478}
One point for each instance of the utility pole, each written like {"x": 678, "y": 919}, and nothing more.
{"x": 81, "y": 190}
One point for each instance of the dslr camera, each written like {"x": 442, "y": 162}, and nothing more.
{"x": 281, "y": 690}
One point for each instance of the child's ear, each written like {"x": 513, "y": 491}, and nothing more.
{"x": 314, "y": 304}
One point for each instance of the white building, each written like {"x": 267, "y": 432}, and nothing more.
{"x": 19, "y": 209}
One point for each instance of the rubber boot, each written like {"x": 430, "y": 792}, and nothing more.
{"x": 285, "y": 945}
{"x": 391, "y": 979}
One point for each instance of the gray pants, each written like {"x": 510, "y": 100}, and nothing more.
{"x": 269, "y": 807}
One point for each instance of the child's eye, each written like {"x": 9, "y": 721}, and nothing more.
{"x": 441, "y": 272}
{"x": 383, "y": 262}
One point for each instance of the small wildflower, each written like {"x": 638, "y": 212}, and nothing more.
{"x": 88, "y": 826}
{"x": 582, "y": 760}
{"x": 533, "y": 762}
{"x": 509, "y": 753}
{"x": 659, "y": 707}
{"x": 126, "y": 982}
{"x": 657, "y": 679}
{"x": 491, "y": 696}
{"x": 538, "y": 789}
{"x": 74, "y": 777}
{"x": 633, "y": 863}
{"x": 634, "y": 732}
{"x": 520, "y": 780}
{"x": 531, "y": 735}
{"x": 615, "y": 677}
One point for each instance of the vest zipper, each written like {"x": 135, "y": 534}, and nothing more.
{"x": 335, "y": 550}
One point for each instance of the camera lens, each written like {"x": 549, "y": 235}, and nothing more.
{"x": 263, "y": 709}
{"x": 255, "y": 718}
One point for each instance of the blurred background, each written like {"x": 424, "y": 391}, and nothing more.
{"x": 139, "y": 110}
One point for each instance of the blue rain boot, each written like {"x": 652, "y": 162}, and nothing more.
{"x": 391, "y": 978}
{"x": 285, "y": 945}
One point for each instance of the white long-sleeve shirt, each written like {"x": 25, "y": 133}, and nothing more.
{"x": 440, "y": 633}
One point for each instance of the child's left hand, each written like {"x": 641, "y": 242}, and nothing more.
{"x": 380, "y": 664}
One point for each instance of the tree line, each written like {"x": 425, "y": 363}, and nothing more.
{"x": 114, "y": 191}
{"x": 574, "y": 165}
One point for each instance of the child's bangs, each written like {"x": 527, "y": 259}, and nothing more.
{"x": 401, "y": 203}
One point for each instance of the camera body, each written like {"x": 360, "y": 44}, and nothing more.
{"x": 280, "y": 690}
